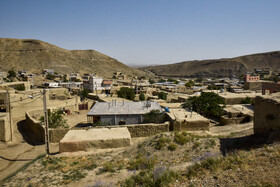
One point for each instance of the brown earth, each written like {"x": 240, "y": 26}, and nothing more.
{"x": 36, "y": 55}
{"x": 219, "y": 67}
{"x": 76, "y": 169}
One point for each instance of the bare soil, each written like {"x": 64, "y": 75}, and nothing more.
{"x": 114, "y": 165}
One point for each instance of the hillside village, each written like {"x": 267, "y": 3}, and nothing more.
{"x": 84, "y": 129}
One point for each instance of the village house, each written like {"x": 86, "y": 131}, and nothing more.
{"x": 121, "y": 113}
{"x": 248, "y": 77}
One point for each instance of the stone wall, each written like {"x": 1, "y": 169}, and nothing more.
{"x": 5, "y": 132}
{"x": 145, "y": 130}
{"x": 183, "y": 125}
{"x": 267, "y": 114}
{"x": 225, "y": 120}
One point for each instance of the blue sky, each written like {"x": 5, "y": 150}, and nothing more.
{"x": 148, "y": 31}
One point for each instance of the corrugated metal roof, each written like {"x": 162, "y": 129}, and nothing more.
{"x": 122, "y": 108}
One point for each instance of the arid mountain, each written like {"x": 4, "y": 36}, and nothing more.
{"x": 36, "y": 55}
{"x": 219, "y": 67}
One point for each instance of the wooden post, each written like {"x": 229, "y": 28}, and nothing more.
{"x": 10, "y": 114}
{"x": 46, "y": 123}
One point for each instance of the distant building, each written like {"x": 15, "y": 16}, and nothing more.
{"x": 93, "y": 84}
{"x": 48, "y": 71}
{"x": 250, "y": 78}
{"x": 121, "y": 113}
{"x": 51, "y": 85}
{"x": 270, "y": 87}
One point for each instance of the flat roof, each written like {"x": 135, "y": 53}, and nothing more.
{"x": 122, "y": 108}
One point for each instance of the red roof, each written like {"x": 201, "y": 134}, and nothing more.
{"x": 107, "y": 82}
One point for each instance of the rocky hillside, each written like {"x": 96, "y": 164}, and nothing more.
{"x": 35, "y": 55}
{"x": 219, "y": 67}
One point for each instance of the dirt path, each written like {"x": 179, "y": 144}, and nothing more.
{"x": 14, "y": 155}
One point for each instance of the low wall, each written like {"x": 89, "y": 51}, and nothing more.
{"x": 145, "y": 130}
{"x": 267, "y": 115}
{"x": 225, "y": 120}
{"x": 184, "y": 125}
{"x": 139, "y": 130}
{"x": 5, "y": 132}
{"x": 38, "y": 131}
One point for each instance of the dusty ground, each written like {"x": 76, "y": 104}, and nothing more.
{"x": 75, "y": 118}
{"x": 119, "y": 163}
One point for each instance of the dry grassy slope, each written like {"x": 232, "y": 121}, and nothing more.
{"x": 36, "y": 55}
{"x": 219, "y": 67}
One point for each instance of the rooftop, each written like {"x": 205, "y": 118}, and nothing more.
{"x": 123, "y": 108}
{"x": 182, "y": 114}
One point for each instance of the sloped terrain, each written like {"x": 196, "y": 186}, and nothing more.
{"x": 36, "y": 55}
{"x": 219, "y": 67}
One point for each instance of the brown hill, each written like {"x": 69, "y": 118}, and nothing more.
{"x": 219, "y": 67}
{"x": 36, "y": 55}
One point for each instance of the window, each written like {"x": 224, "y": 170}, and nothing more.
{"x": 1, "y": 102}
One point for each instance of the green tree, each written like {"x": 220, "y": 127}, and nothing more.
{"x": 208, "y": 104}
{"x": 154, "y": 116}
{"x": 162, "y": 95}
{"x": 84, "y": 93}
{"x": 126, "y": 93}
{"x": 199, "y": 80}
{"x": 142, "y": 97}
{"x": 190, "y": 84}
{"x": 20, "y": 87}
{"x": 152, "y": 81}
{"x": 161, "y": 80}
{"x": 247, "y": 100}
{"x": 12, "y": 74}
{"x": 55, "y": 119}
{"x": 213, "y": 87}
{"x": 50, "y": 76}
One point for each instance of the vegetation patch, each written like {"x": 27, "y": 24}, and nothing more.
{"x": 159, "y": 176}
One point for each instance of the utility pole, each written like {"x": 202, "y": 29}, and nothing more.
{"x": 46, "y": 123}
{"x": 10, "y": 114}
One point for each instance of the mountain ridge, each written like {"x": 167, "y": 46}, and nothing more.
{"x": 219, "y": 67}
{"x": 35, "y": 55}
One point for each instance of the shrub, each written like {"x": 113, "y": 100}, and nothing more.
{"x": 102, "y": 123}
{"x": 55, "y": 119}
{"x": 126, "y": 93}
{"x": 152, "y": 81}
{"x": 50, "y": 76}
{"x": 108, "y": 167}
{"x": 247, "y": 100}
{"x": 161, "y": 143}
{"x": 162, "y": 95}
{"x": 142, "y": 163}
{"x": 181, "y": 139}
{"x": 20, "y": 87}
{"x": 158, "y": 177}
{"x": 142, "y": 97}
{"x": 172, "y": 147}
{"x": 154, "y": 116}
